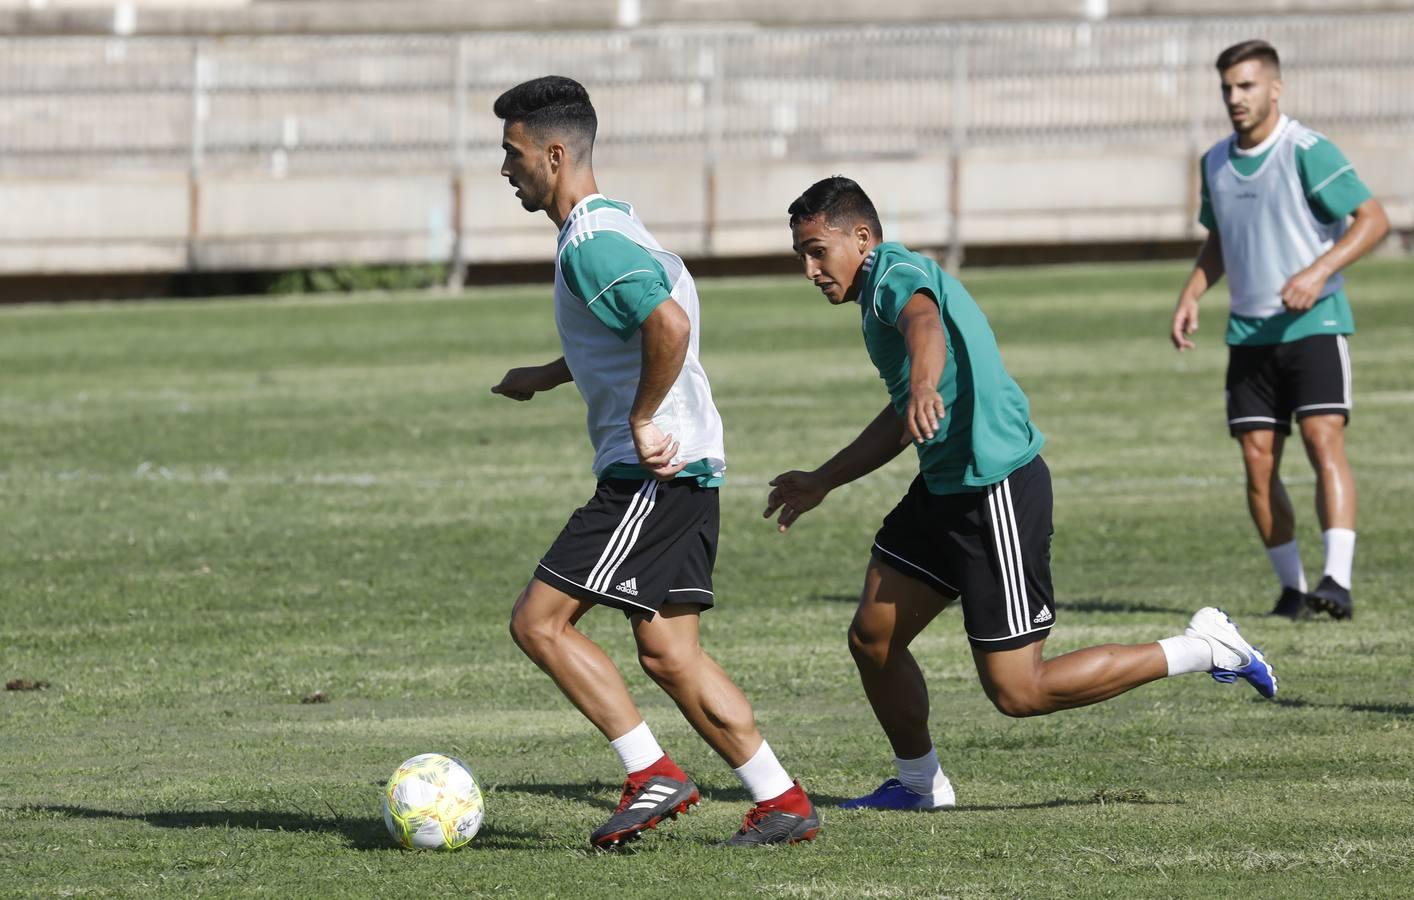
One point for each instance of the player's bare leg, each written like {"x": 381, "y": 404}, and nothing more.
{"x": 1267, "y": 499}
{"x": 1324, "y": 437}
{"x": 543, "y": 626}
{"x": 671, "y": 654}
{"x": 1020, "y": 683}
{"x": 1274, "y": 517}
{"x": 669, "y": 651}
{"x": 893, "y": 610}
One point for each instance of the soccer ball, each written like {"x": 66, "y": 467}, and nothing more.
{"x": 432, "y": 803}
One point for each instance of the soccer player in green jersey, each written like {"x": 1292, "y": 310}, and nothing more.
{"x": 1276, "y": 199}
{"x": 976, "y": 523}
{"x": 645, "y": 543}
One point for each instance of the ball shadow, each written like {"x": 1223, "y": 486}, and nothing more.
{"x": 358, "y": 834}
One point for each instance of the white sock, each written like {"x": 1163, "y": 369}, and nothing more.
{"x": 1187, "y": 654}
{"x": 763, "y": 776}
{"x": 1340, "y": 554}
{"x": 922, "y": 775}
{"x": 637, "y": 749}
{"x": 1286, "y": 562}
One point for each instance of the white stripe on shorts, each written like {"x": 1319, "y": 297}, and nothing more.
{"x": 1024, "y": 606}
{"x": 1344, "y": 345}
{"x": 639, "y": 502}
{"x": 1003, "y": 559}
{"x": 650, "y": 495}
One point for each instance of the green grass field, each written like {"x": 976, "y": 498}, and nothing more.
{"x": 209, "y": 511}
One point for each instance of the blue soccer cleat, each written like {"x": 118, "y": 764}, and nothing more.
{"x": 893, "y": 795}
{"x": 1233, "y": 656}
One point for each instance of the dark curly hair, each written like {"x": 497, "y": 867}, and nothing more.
{"x": 552, "y": 104}
{"x": 841, "y": 201}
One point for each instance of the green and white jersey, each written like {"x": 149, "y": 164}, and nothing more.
{"x": 1277, "y": 207}
{"x": 610, "y": 274}
{"x": 986, "y": 432}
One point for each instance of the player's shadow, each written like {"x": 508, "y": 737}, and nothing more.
{"x": 358, "y": 833}
{"x": 837, "y": 598}
{"x": 1389, "y": 709}
{"x": 1052, "y": 804}
{"x": 601, "y": 794}
{"x": 1096, "y": 605}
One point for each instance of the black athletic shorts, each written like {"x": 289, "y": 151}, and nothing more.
{"x": 637, "y": 545}
{"x": 991, "y": 547}
{"x": 1267, "y": 384}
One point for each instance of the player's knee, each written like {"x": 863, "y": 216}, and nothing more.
{"x": 1258, "y": 459}
{"x": 1323, "y": 444}
{"x": 669, "y": 666}
{"x": 1018, "y": 702}
{"x": 534, "y": 637}
{"x": 867, "y": 646}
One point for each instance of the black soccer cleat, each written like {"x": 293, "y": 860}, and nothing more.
{"x": 789, "y": 819}
{"x": 1292, "y": 604}
{"x": 1330, "y": 597}
{"x": 642, "y": 806}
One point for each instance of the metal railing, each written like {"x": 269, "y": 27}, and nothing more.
{"x": 326, "y": 104}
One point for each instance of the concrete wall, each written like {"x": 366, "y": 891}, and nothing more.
{"x": 193, "y": 17}
{"x": 1006, "y": 197}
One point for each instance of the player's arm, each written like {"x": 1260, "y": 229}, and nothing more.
{"x": 1368, "y": 227}
{"x": 797, "y": 492}
{"x": 1207, "y": 271}
{"x": 927, "y": 347}
{"x": 666, "y": 332}
{"x": 526, "y": 382}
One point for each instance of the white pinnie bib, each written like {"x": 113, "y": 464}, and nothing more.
{"x": 1265, "y": 222}
{"x": 606, "y": 369}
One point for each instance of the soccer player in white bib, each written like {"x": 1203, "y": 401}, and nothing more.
{"x": 1276, "y": 200}
{"x": 629, "y": 323}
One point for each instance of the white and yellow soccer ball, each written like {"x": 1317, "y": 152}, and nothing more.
{"x": 433, "y": 803}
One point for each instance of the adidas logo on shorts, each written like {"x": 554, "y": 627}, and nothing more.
{"x": 1043, "y": 616}
{"x": 629, "y": 587}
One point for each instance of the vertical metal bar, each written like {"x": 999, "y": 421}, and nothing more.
{"x": 456, "y": 263}
{"x": 713, "y": 61}
{"x": 1195, "y": 70}
{"x": 957, "y": 146}
{"x": 196, "y": 161}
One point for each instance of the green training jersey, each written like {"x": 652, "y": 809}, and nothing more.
{"x": 1329, "y": 191}
{"x": 986, "y": 432}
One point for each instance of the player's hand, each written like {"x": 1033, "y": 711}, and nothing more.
{"x": 1185, "y": 322}
{"x": 1303, "y": 289}
{"x": 924, "y": 412}
{"x": 522, "y": 384}
{"x": 794, "y": 493}
{"x": 656, "y": 450}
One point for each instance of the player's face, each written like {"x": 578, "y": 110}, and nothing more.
{"x": 1250, "y": 90}
{"x": 831, "y": 256}
{"x": 527, "y": 167}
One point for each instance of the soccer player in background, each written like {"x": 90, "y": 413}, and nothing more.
{"x": 1276, "y": 196}
{"x": 975, "y": 523}
{"x": 628, "y": 319}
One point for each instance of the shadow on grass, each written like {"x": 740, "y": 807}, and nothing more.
{"x": 605, "y": 795}
{"x": 1389, "y": 709}
{"x": 1096, "y": 605}
{"x": 359, "y": 834}
{"x": 1054, "y": 804}
{"x": 837, "y": 598}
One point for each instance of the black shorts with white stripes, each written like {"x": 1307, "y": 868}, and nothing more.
{"x": 637, "y": 545}
{"x": 1268, "y": 384}
{"x": 992, "y": 547}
